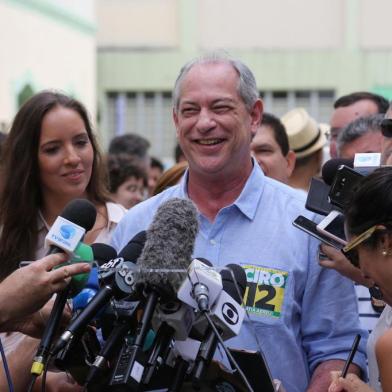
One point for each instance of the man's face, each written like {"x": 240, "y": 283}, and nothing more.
{"x": 345, "y": 115}
{"x": 369, "y": 142}
{"x": 269, "y": 155}
{"x": 386, "y": 145}
{"x": 214, "y": 128}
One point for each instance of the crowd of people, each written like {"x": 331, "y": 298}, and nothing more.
{"x": 248, "y": 173}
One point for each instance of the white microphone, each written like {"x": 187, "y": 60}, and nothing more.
{"x": 176, "y": 315}
{"x": 202, "y": 286}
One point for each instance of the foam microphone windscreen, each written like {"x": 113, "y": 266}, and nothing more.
{"x": 169, "y": 245}
{"x": 330, "y": 168}
{"x": 81, "y": 212}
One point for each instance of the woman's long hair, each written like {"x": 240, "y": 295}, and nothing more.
{"x": 20, "y": 188}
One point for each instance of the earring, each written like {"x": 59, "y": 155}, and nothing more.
{"x": 384, "y": 252}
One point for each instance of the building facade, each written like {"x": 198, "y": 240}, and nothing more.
{"x": 303, "y": 53}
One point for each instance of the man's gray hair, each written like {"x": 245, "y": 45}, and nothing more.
{"x": 358, "y": 128}
{"x": 247, "y": 87}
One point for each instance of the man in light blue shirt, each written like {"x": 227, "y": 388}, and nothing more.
{"x": 304, "y": 317}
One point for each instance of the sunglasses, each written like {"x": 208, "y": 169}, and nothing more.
{"x": 351, "y": 250}
{"x": 386, "y": 127}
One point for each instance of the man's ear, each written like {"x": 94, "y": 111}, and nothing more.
{"x": 175, "y": 120}
{"x": 256, "y": 115}
{"x": 290, "y": 159}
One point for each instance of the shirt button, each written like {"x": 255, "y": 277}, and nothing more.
{"x": 212, "y": 242}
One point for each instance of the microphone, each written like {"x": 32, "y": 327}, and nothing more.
{"x": 172, "y": 320}
{"x": 168, "y": 249}
{"x": 65, "y": 235}
{"x": 75, "y": 354}
{"x": 70, "y": 227}
{"x": 122, "y": 325}
{"x": 227, "y": 315}
{"x": 101, "y": 254}
{"x": 202, "y": 286}
{"x": 108, "y": 276}
{"x": 329, "y": 169}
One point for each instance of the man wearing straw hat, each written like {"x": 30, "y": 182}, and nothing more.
{"x": 306, "y": 139}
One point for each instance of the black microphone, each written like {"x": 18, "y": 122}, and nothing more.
{"x": 78, "y": 212}
{"x": 330, "y": 168}
{"x": 169, "y": 246}
{"x": 103, "y": 253}
{"x": 78, "y": 352}
{"x": 227, "y": 314}
{"x": 110, "y": 274}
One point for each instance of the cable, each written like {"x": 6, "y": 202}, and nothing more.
{"x": 228, "y": 353}
{"x": 44, "y": 374}
{"x": 32, "y": 382}
{"x": 6, "y": 369}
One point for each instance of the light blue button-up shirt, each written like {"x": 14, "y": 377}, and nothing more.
{"x": 301, "y": 313}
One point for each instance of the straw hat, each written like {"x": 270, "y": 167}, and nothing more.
{"x": 305, "y": 135}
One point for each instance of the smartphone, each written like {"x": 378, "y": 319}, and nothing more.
{"x": 317, "y": 199}
{"x": 342, "y": 186}
{"x": 333, "y": 226}
{"x": 310, "y": 228}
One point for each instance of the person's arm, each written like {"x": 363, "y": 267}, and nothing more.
{"x": 384, "y": 359}
{"x": 329, "y": 322}
{"x": 321, "y": 378}
{"x": 19, "y": 363}
{"x": 27, "y": 289}
{"x": 338, "y": 261}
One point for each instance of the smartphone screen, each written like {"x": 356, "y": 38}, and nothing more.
{"x": 336, "y": 227}
{"x": 310, "y": 228}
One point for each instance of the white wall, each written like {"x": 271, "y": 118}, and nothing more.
{"x": 47, "y": 52}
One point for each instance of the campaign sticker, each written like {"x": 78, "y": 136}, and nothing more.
{"x": 265, "y": 290}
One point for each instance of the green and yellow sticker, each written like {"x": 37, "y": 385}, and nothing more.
{"x": 265, "y": 290}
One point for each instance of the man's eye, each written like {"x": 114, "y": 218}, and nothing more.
{"x": 186, "y": 111}
{"x": 221, "y": 108}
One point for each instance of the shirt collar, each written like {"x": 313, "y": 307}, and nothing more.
{"x": 248, "y": 200}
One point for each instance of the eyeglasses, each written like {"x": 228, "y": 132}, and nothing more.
{"x": 350, "y": 250}
{"x": 386, "y": 127}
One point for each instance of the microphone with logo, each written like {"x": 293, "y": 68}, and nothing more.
{"x": 116, "y": 281}
{"x": 168, "y": 252}
{"x": 223, "y": 322}
{"x": 119, "y": 318}
{"x": 79, "y": 352}
{"x": 174, "y": 320}
{"x": 65, "y": 236}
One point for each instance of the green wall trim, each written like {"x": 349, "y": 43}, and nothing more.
{"x": 59, "y": 14}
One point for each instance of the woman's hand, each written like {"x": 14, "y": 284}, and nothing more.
{"x": 352, "y": 383}
{"x": 339, "y": 262}
{"x": 34, "y": 325}
{"x": 27, "y": 289}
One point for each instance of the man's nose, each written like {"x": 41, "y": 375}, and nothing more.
{"x": 205, "y": 121}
